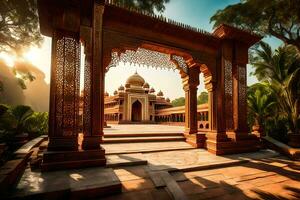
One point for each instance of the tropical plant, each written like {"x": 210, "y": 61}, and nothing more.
{"x": 21, "y": 113}
{"x": 21, "y": 119}
{"x": 261, "y": 103}
{"x": 281, "y": 69}
{"x": 37, "y": 123}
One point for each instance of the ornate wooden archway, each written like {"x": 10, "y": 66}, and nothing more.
{"x": 106, "y": 30}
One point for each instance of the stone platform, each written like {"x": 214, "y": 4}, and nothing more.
{"x": 67, "y": 184}
{"x": 176, "y": 174}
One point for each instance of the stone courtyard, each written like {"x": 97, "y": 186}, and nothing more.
{"x": 168, "y": 170}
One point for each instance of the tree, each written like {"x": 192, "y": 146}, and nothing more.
{"x": 202, "y": 98}
{"x": 178, "y": 102}
{"x": 278, "y": 18}
{"x": 147, "y": 5}
{"x": 281, "y": 69}
{"x": 18, "y": 25}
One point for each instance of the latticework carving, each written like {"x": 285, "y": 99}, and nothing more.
{"x": 148, "y": 58}
{"x": 228, "y": 93}
{"x": 242, "y": 91}
{"x": 87, "y": 96}
{"x": 67, "y": 74}
{"x": 180, "y": 62}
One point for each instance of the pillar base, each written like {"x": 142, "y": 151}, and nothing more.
{"x": 240, "y": 135}
{"x": 62, "y": 144}
{"x": 91, "y": 142}
{"x": 197, "y": 140}
{"x": 61, "y": 160}
{"x": 221, "y": 144}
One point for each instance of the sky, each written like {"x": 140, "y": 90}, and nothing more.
{"x": 195, "y": 13}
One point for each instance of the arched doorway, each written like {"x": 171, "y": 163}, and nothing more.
{"x": 136, "y": 111}
{"x": 222, "y": 54}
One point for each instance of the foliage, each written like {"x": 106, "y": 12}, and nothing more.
{"x": 21, "y": 119}
{"x": 146, "y": 5}
{"x": 202, "y": 98}
{"x": 37, "y": 123}
{"x": 21, "y": 113}
{"x": 23, "y": 76}
{"x": 261, "y": 103}
{"x": 178, "y": 102}
{"x": 278, "y": 18}
{"x": 18, "y": 25}
{"x": 281, "y": 70}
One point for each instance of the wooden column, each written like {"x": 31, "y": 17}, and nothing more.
{"x": 190, "y": 84}
{"x": 64, "y": 91}
{"x": 93, "y": 115}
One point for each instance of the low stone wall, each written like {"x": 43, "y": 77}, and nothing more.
{"x": 11, "y": 171}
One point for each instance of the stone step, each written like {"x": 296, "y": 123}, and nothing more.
{"x": 143, "y": 139}
{"x": 162, "y": 134}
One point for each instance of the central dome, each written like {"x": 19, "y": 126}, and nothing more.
{"x": 135, "y": 80}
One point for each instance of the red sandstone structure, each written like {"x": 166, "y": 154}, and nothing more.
{"x": 134, "y": 103}
{"x": 110, "y": 32}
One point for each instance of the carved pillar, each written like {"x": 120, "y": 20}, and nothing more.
{"x": 240, "y": 57}
{"x": 190, "y": 83}
{"x": 240, "y": 101}
{"x": 228, "y": 94}
{"x": 212, "y": 107}
{"x": 93, "y": 115}
{"x": 64, "y": 91}
{"x": 218, "y": 107}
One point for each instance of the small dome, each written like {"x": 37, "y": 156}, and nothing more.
{"x": 127, "y": 85}
{"x": 121, "y": 88}
{"x": 106, "y": 94}
{"x": 152, "y": 90}
{"x": 115, "y": 92}
{"x": 168, "y": 100}
{"x": 135, "y": 80}
{"x": 146, "y": 85}
{"x": 160, "y": 94}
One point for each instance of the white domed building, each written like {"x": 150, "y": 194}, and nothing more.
{"x": 134, "y": 103}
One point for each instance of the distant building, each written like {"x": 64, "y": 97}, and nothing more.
{"x": 134, "y": 103}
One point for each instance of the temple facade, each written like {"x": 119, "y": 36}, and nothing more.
{"x": 138, "y": 103}
{"x": 134, "y": 103}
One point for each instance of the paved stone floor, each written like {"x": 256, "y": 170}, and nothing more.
{"x": 143, "y": 128}
{"x": 175, "y": 170}
{"x": 275, "y": 178}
